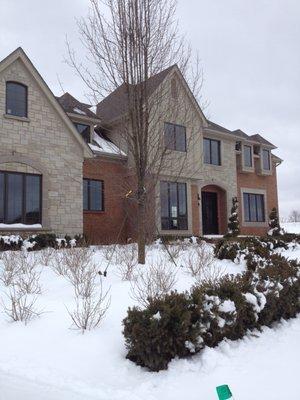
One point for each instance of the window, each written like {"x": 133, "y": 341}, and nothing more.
{"x": 175, "y": 137}
{"x": 212, "y": 151}
{"x": 84, "y": 130}
{"x": 266, "y": 160}
{"x": 20, "y": 198}
{"x": 247, "y": 156}
{"x": 173, "y": 206}
{"x": 254, "y": 207}
{"x": 16, "y": 99}
{"x": 93, "y": 195}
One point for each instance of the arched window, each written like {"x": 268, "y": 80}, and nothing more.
{"x": 16, "y": 99}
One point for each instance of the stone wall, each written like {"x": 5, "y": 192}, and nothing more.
{"x": 43, "y": 143}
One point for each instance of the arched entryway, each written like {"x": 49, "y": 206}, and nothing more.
{"x": 214, "y": 210}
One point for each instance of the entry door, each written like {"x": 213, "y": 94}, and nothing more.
{"x": 210, "y": 213}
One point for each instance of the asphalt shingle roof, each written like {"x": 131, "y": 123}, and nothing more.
{"x": 74, "y": 106}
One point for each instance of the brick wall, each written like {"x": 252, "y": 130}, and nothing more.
{"x": 254, "y": 181}
{"x": 107, "y": 226}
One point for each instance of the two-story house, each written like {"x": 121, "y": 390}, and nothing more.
{"x": 64, "y": 168}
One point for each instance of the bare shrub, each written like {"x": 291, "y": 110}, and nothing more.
{"x": 174, "y": 250}
{"x": 198, "y": 259}
{"x": 57, "y": 263}
{"x": 46, "y": 255}
{"x": 108, "y": 252}
{"x": 10, "y": 268}
{"x": 21, "y": 305}
{"x": 127, "y": 259}
{"x": 90, "y": 310}
{"x": 154, "y": 281}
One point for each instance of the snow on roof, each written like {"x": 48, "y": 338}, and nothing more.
{"x": 78, "y": 111}
{"x": 101, "y": 145}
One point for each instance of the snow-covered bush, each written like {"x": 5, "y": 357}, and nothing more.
{"x": 178, "y": 325}
{"x": 274, "y": 225}
{"x": 233, "y": 224}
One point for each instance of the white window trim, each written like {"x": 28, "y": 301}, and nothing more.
{"x": 254, "y": 191}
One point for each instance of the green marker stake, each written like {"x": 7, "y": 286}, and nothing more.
{"x": 224, "y": 392}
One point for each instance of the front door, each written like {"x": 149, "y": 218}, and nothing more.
{"x": 210, "y": 213}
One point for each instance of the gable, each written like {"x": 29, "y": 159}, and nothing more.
{"x": 17, "y": 66}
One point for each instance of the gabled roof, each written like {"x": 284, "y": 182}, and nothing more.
{"x": 260, "y": 139}
{"x": 74, "y": 106}
{"x": 19, "y": 53}
{"x": 116, "y": 103}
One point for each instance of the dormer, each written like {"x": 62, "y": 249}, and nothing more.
{"x": 83, "y": 118}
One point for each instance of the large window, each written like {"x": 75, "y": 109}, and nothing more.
{"x": 212, "y": 151}
{"x": 266, "y": 160}
{"x": 93, "y": 195}
{"x": 16, "y": 99}
{"x": 20, "y": 198}
{"x": 175, "y": 137}
{"x": 84, "y": 131}
{"x": 254, "y": 207}
{"x": 247, "y": 156}
{"x": 173, "y": 206}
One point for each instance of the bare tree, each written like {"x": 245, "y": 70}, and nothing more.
{"x": 129, "y": 42}
{"x": 294, "y": 216}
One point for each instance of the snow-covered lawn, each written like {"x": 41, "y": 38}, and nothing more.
{"x": 46, "y": 360}
{"x": 291, "y": 227}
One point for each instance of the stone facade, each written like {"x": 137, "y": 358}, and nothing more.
{"x": 43, "y": 143}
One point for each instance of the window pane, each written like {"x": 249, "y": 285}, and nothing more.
{"x": 266, "y": 160}
{"x": 95, "y": 191}
{"x": 164, "y": 200}
{"x": 14, "y": 198}
{"x": 173, "y": 200}
{"x": 16, "y": 99}
{"x": 246, "y": 207}
{"x": 260, "y": 208}
{"x": 1, "y": 197}
{"x": 32, "y": 210}
{"x": 180, "y": 138}
{"x": 169, "y": 136}
{"x": 247, "y": 156}
{"x": 252, "y": 199}
{"x": 182, "y": 199}
{"x": 206, "y": 149}
{"x": 215, "y": 152}
{"x": 84, "y": 130}
{"x": 85, "y": 195}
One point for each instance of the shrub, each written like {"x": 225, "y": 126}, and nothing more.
{"x": 179, "y": 325}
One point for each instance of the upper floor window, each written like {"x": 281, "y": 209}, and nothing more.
{"x": 254, "y": 207}
{"x": 247, "y": 156}
{"x": 173, "y": 201}
{"x": 16, "y": 99}
{"x": 266, "y": 160}
{"x": 20, "y": 198}
{"x": 212, "y": 151}
{"x": 93, "y": 199}
{"x": 175, "y": 137}
{"x": 84, "y": 130}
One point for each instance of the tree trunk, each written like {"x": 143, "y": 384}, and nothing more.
{"x": 141, "y": 240}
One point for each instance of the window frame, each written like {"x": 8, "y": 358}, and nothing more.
{"x": 88, "y": 210}
{"x": 170, "y": 218}
{"x": 210, "y": 140}
{"x": 174, "y": 134}
{"x": 269, "y": 160}
{"x": 248, "y": 146}
{"x": 24, "y": 204}
{"x": 250, "y": 195}
{"x": 81, "y": 133}
{"x": 26, "y": 99}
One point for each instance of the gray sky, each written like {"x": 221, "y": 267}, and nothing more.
{"x": 250, "y": 52}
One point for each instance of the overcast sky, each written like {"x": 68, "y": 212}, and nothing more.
{"x": 250, "y": 52}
